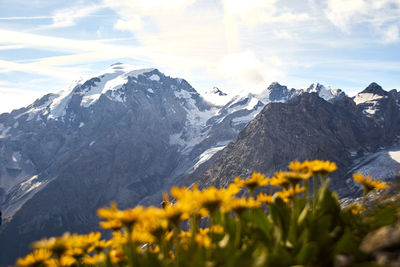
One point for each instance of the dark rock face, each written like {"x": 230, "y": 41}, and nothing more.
{"x": 375, "y": 89}
{"x": 110, "y": 151}
{"x": 278, "y": 92}
{"x": 68, "y": 154}
{"x": 61, "y": 158}
{"x": 304, "y": 128}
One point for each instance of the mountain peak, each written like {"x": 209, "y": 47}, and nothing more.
{"x": 129, "y": 70}
{"x": 274, "y": 84}
{"x": 216, "y": 97}
{"x": 315, "y": 87}
{"x": 276, "y": 91}
{"x": 375, "y": 89}
{"x": 215, "y": 90}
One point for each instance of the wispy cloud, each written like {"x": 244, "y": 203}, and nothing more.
{"x": 62, "y": 73}
{"x": 206, "y": 38}
{"x": 83, "y": 51}
{"x": 60, "y": 44}
{"x": 68, "y": 17}
{"x": 242, "y": 44}
{"x": 11, "y": 47}
{"x": 26, "y": 18}
{"x": 382, "y": 15}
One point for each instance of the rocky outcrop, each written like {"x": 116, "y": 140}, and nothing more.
{"x": 306, "y": 127}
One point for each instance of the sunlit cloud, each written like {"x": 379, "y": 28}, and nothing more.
{"x": 246, "y": 69}
{"x": 68, "y": 17}
{"x": 11, "y": 95}
{"x": 11, "y": 47}
{"x": 26, "y": 18}
{"x": 62, "y": 73}
{"x": 382, "y": 15}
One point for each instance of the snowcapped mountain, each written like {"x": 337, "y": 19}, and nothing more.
{"x": 326, "y": 93}
{"x": 216, "y": 96}
{"x": 123, "y": 135}
{"x": 307, "y": 127}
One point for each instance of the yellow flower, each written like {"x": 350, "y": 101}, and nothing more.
{"x": 279, "y": 180}
{"x": 256, "y": 180}
{"x": 183, "y": 234}
{"x": 82, "y": 242}
{"x": 95, "y": 259}
{"x": 117, "y": 256}
{"x": 319, "y": 167}
{"x": 156, "y": 224}
{"x": 297, "y": 166}
{"x": 217, "y": 229}
{"x": 130, "y": 217}
{"x": 114, "y": 225}
{"x": 184, "y": 193}
{"x": 176, "y": 213}
{"x": 355, "y": 208}
{"x": 187, "y": 202}
{"x": 239, "y": 205}
{"x": 64, "y": 261}
{"x": 288, "y": 194}
{"x": 172, "y": 254}
{"x": 264, "y": 198}
{"x": 185, "y": 239}
{"x": 168, "y": 236}
{"x": 293, "y": 177}
{"x": 368, "y": 184}
{"x": 118, "y": 239}
{"x": 99, "y": 245}
{"x": 127, "y": 217}
{"x": 36, "y": 258}
{"x": 110, "y": 213}
{"x": 202, "y": 238}
{"x": 142, "y": 237}
{"x": 212, "y": 198}
{"x": 154, "y": 250}
{"x": 56, "y": 245}
{"x": 203, "y": 203}
{"x": 76, "y": 253}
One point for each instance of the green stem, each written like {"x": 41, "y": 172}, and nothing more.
{"x": 131, "y": 248}
{"x": 252, "y": 193}
{"x": 293, "y": 220}
{"x": 238, "y": 232}
{"x": 307, "y": 194}
{"x": 194, "y": 224}
{"x": 315, "y": 188}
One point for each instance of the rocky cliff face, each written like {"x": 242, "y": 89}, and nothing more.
{"x": 308, "y": 127}
{"x": 120, "y": 136}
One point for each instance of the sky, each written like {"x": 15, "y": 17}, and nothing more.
{"x": 236, "y": 45}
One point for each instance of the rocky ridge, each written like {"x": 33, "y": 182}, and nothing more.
{"x": 308, "y": 127}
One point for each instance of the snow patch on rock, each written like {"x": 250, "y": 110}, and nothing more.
{"x": 380, "y": 165}
{"x": 367, "y": 97}
{"x": 206, "y": 155}
{"x": 154, "y": 77}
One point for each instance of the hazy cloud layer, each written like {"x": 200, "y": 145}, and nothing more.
{"x": 234, "y": 44}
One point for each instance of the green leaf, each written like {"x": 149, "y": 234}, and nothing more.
{"x": 307, "y": 254}
{"x": 303, "y": 215}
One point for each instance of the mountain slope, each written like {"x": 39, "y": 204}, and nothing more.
{"x": 124, "y": 135}
{"x": 306, "y": 127}
{"x": 68, "y": 154}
